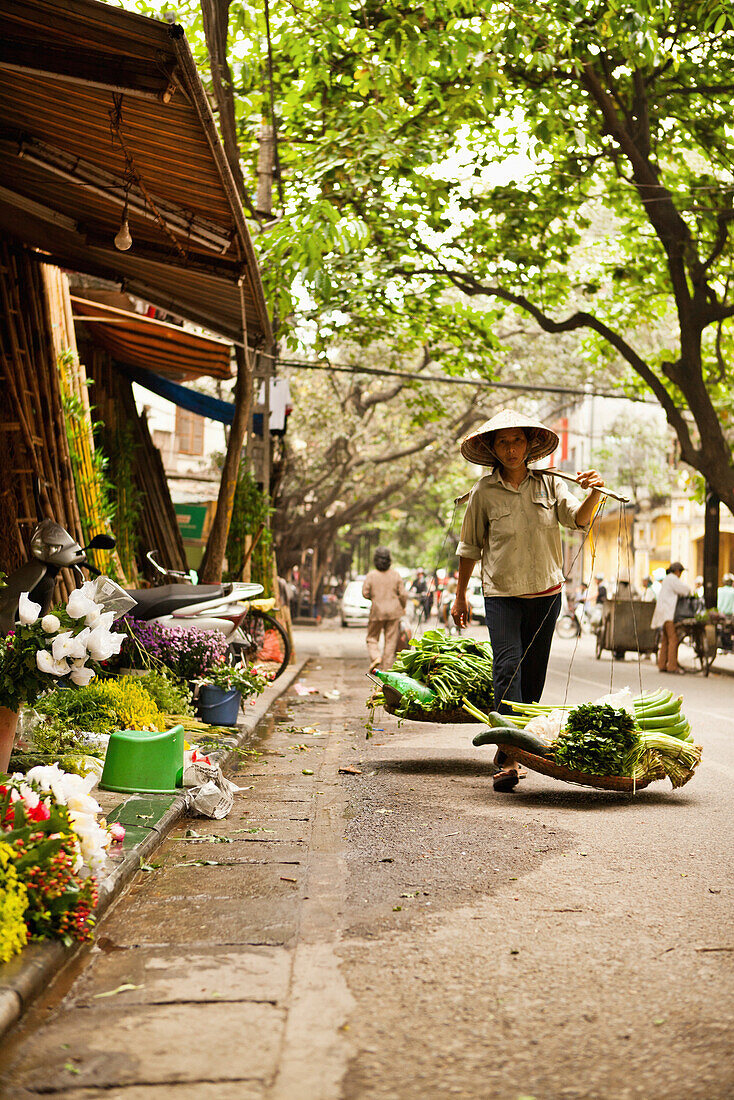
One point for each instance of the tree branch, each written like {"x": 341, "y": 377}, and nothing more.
{"x": 581, "y": 319}
{"x": 215, "y": 18}
{"x": 656, "y": 199}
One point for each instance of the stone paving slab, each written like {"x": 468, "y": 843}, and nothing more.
{"x": 175, "y": 1043}
{"x": 193, "y": 921}
{"x": 168, "y": 976}
{"x": 202, "y": 1090}
{"x": 228, "y": 879}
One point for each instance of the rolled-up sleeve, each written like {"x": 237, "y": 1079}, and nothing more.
{"x": 473, "y": 530}
{"x": 567, "y": 506}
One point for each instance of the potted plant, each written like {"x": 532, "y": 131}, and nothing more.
{"x": 223, "y": 688}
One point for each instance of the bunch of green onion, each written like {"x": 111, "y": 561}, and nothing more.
{"x": 664, "y": 744}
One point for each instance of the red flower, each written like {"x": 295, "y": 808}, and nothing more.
{"x": 40, "y": 812}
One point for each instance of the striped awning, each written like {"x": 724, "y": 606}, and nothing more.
{"x": 134, "y": 340}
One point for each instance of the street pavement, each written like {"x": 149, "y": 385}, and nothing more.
{"x": 373, "y": 921}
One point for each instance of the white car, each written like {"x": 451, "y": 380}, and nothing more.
{"x": 475, "y": 599}
{"x": 355, "y": 609}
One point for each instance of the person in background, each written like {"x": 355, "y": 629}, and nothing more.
{"x": 418, "y": 590}
{"x": 384, "y": 587}
{"x": 725, "y": 595}
{"x": 663, "y": 618}
{"x": 698, "y": 588}
{"x": 648, "y": 590}
{"x": 432, "y": 594}
{"x": 581, "y": 595}
{"x": 448, "y": 595}
{"x": 601, "y": 589}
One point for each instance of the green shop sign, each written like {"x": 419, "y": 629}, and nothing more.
{"x": 191, "y": 519}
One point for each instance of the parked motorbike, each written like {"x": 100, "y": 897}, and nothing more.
{"x": 253, "y": 635}
{"x": 53, "y": 549}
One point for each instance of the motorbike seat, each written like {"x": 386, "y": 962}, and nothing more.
{"x": 154, "y": 602}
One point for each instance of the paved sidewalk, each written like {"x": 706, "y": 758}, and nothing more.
{"x": 147, "y": 820}
{"x": 373, "y": 923}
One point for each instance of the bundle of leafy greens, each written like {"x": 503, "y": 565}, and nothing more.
{"x": 597, "y": 739}
{"x": 663, "y": 744}
{"x": 453, "y": 668}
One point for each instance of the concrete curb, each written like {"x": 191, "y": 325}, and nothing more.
{"x": 29, "y": 973}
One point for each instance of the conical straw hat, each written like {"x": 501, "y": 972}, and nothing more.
{"x": 477, "y": 448}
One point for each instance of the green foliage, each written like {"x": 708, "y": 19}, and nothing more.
{"x": 251, "y": 509}
{"x": 564, "y": 161}
{"x": 102, "y": 706}
{"x": 170, "y": 694}
{"x": 596, "y": 739}
{"x": 636, "y": 454}
{"x": 237, "y": 678}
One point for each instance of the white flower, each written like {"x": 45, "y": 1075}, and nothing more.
{"x": 80, "y": 604}
{"x": 50, "y": 778}
{"x": 28, "y": 611}
{"x": 102, "y": 644}
{"x": 93, "y": 838}
{"x": 81, "y": 676}
{"x": 46, "y": 663}
{"x": 29, "y": 796}
{"x": 68, "y": 645}
{"x": 50, "y": 623}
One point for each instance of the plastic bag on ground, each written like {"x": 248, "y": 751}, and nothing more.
{"x": 211, "y": 793}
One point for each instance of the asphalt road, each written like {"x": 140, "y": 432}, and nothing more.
{"x": 373, "y": 921}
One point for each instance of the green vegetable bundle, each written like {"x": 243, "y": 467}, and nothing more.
{"x": 602, "y": 740}
{"x": 596, "y": 739}
{"x": 451, "y": 667}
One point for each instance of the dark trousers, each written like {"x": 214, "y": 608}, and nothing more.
{"x": 520, "y": 630}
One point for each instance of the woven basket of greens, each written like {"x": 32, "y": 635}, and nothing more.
{"x": 597, "y": 744}
{"x": 431, "y": 677}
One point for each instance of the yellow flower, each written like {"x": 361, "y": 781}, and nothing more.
{"x": 13, "y": 904}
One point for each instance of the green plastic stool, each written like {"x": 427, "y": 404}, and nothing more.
{"x": 142, "y": 762}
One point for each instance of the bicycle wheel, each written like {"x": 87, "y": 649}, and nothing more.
{"x": 567, "y": 627}
{"x": 262, "y": 641}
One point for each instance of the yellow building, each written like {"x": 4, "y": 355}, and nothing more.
{"x": 629, "y": 544}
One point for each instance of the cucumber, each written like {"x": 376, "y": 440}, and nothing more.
{"x": 503, "y": 731}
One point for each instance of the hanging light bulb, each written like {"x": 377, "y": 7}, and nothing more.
{"x": 123, "y": 240}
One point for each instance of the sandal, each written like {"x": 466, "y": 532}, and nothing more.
{"x": 506, "y": 780}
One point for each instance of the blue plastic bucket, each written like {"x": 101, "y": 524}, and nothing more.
{"x": 218, "y": 706}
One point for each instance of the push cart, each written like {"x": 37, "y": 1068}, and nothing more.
{"x": 625, "y": 626}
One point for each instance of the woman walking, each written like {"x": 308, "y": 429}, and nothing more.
{"x": 384, "y": 587}
{"x": 512, "y": 525}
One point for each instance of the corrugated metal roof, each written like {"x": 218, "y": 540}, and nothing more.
{"x": 97, "y": 103}
{"x": 138, "y": 341}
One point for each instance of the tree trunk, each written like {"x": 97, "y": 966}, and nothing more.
{"x": 213, "y": 561}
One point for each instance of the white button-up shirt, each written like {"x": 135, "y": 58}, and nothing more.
{"x": 671, "y": 588}
{"x": 516, "y": 534}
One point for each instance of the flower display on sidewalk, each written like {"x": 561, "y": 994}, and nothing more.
{"x": 50, "y": 838}
{"x": 186, "y": 652}
{"x": 42, "y": 650}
